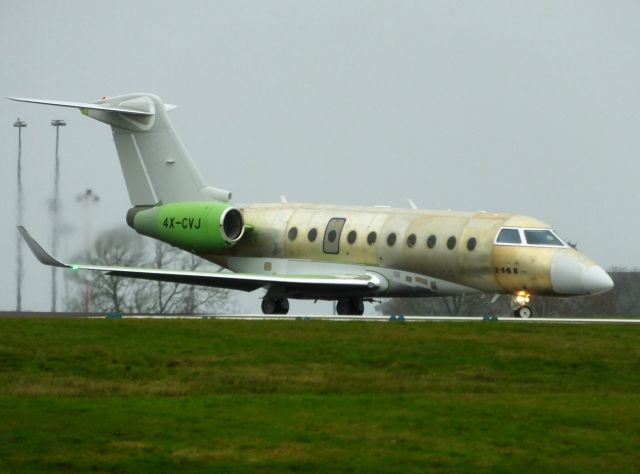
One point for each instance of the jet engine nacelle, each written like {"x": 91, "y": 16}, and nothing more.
{"x": 193, "y": 226}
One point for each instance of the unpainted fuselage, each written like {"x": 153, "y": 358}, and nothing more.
{"x": 417, "y": 251}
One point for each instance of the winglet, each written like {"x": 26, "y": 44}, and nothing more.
{"x": 38, "y": 251}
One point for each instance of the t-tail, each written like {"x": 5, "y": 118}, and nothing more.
{"x": 156, "y": 166}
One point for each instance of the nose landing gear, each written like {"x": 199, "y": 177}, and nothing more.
{"x": 520, "y": 305}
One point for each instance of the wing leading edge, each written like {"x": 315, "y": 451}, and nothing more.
{"x": 310, "y": 284}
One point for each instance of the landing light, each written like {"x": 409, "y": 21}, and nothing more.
{"x": 522, "y": 298}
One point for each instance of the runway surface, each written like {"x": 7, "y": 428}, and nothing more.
{"x": 331, "y": 317}
{"x": 399, "y": 318}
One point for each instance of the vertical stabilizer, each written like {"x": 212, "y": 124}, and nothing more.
{"x": 155, "y": 164}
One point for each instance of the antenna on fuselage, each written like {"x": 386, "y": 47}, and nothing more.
{"x": 412, "y": 204}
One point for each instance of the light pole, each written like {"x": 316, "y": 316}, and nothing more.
{"x": 19, "y": 124}
{"x": 87, "y": 198}
{"x": 55, "y": 210}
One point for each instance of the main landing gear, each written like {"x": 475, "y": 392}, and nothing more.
{"x": 275, "y": 305}
{"x": 280, "y": 305}
{"x": 520, "y": 305}
{"x": 353, "y": 306}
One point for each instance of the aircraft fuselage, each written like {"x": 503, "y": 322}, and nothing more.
{"x": 418, "y": 252}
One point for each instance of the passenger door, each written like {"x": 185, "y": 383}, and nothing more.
{"x": 331, "y": 243}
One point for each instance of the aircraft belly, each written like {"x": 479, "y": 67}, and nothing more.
{"x": 396, "y": 282}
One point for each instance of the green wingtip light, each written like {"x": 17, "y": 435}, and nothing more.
{"x": 75, "y": 267}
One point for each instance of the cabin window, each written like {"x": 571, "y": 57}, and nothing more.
{"x": 352, "y": 236}
{"x": 471, "y": 244}
{"x": 331, "y": 236}
{"x": 509, "y": 236}
{"x": 391, "y": 239}
{"x": 312, "y": 235}
{"x": 542, "y": 237}
{"x": 451, "y": 242}
{"x": 431, "y": 241}
{"x": 371, "y": 238}
{"x": 293, "y": 233}
{"x": 411, "y": 240}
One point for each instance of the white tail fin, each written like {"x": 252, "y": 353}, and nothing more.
{"x": 155, "y": 164}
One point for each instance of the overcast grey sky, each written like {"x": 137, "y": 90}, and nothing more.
{"x": 526, "y": 107}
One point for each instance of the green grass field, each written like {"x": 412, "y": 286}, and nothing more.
{"x": 81, "y": 395}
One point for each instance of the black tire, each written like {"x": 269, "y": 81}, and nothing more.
{"x": 357, "y": 306}
{"x": 350, "y": 306}
{"x": 269, "y": 306}
{"x": 282, "y": 305}
{"x": 524, "y": 312}
{"x": 343, "y": 307}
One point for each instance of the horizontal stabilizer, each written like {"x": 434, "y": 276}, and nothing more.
{"x": 85, "y": 105}
{"x": 363, "y": 284}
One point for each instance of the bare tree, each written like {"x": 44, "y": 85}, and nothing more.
{"x": 174, "y": 298}
{"x": 114, "y": 247}
{"x": 122, "y": 247}
{"x": 165, "y": 256}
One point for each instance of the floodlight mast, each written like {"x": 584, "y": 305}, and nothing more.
{"x": 86, "y": 199}
{"x": 55, "y": 211}
{"x": 19, "y": 124}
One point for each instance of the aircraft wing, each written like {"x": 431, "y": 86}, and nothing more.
{"x": 307, "y": 284}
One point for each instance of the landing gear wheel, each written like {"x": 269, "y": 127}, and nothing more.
{"x": 343, "y": 306}
{"x": 354, "y": 306}
{"x": 269, "y": 305}
{"x": 523, "y": 312}
{"x": 282, "y": 306}
{"x": 275, "y": 305}
{"x": 357, "y": 306}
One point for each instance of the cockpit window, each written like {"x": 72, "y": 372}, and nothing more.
{"x": 542, "y": 237}
{"x": 525, "y": 237}
{"x": 509, "y": 236}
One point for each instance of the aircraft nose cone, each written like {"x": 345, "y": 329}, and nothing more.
{"x": 571, "y": 275}
{"x": 596, "y": 280}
